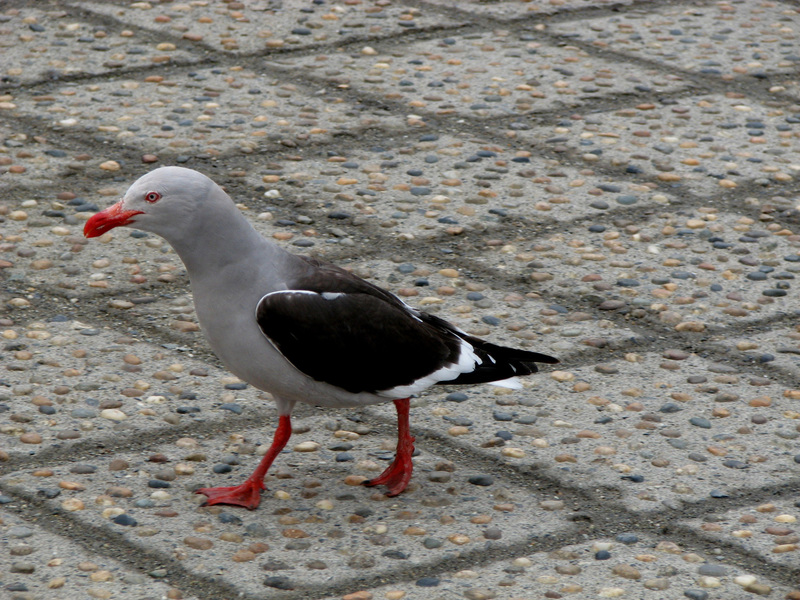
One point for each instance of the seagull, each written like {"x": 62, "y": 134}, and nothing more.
{"x": 300, "y": 328}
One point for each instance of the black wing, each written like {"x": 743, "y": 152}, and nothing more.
{"x": 337, "y": 328}
{"x": 355, "y": 341}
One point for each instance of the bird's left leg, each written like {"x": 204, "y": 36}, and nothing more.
{"x": 397, "y": 476}
{"x": 248, "y": 494}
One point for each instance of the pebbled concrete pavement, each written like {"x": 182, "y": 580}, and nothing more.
{"x": 611, "y": 182}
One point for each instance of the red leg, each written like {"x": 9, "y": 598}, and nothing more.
{"x": 397, "y": 476}
{"x": 248, "y": 494}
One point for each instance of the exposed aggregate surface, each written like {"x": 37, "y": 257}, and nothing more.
{"x": 613, "y": 183}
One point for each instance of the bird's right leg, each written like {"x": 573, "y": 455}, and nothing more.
{"x": 248, "y": 494}
{"x": 398, "y": 474}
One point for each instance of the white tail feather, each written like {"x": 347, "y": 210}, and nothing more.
{"x": 511, "y": 383}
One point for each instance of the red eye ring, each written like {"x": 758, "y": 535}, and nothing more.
{"x": 152, "y": 197}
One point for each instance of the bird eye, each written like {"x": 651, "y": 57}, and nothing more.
{"x": 152, "y": 197}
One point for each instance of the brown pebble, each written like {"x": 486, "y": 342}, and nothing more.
{"x": 184, "y": 326}
{"x": 110, "y": 165}
{"x": 626, "y": 571}
{"x": 748, "y": 519}
{"x": 132, "y": 359}
{"x": 362, "y": 595}
{"x": 354, "y": 479}
{"x": 568, "y": 569}
{"x": 759, "y": 588}
{"x": 198, "y": 543}
{"x": 118, "y": 464}
{"x": 71, "y": 485}
{"x": 243, "y": 556}
{"x": 693, "y": 326}
{"x": 479, "y": 594}
{"x": 413, "y": 530}
{"x": 481, "y": 519}
{"x": 294, "y": 533}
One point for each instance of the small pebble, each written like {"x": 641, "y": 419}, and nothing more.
{"x": 481, "y": 480}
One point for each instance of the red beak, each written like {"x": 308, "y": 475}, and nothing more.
{"x": 106, "y": 220}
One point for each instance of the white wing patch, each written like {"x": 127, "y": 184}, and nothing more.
{"x": 467, "y": 362}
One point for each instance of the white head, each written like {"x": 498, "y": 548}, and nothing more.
{"x": 165, "y": 201}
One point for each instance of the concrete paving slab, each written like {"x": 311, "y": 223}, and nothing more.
{"x": 703, "y": 144}
{"x": 725, "y": 39}
{"x": 316, "y": 526}
{"x": 678, "y": 227}
{"x": 434, "y": 185}
{"x": 40, "y": 44}
{"x": 515, "y": 9}
{"x": 768, "y": 530}
{"x": 249, "y": 27}
{"x": 203, "y": 111}
{"x": 36, "y": 563}
{"x": 502, "y": 73}
{"x": 692, "y": 269}
{"x": 661, "y": 428}
{"x": 66, "y": 383}
{"x": 631, "y": 565}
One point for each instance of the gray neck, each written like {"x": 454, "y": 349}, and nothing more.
{"x": 220, "y": 239}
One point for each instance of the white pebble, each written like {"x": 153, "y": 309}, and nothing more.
{"x": 113, "y": 414}
{"x": 306, "y": 447}
{"x": 744, "y": 580}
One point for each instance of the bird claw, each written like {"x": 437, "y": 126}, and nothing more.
{"x": 396, "y": 477}
{"x": 247, "y": 495}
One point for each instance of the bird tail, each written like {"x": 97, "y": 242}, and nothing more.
{"x": 501, "y": 365}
